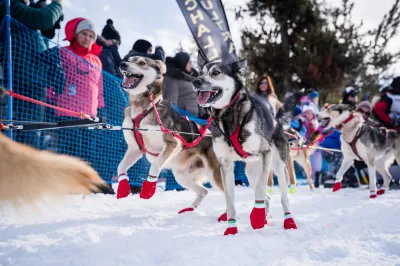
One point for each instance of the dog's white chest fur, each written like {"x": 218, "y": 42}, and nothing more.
{"x": 253, "y": 142}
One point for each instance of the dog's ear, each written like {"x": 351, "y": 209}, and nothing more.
{"x": 201, "y": 60}
{"x": 239, "y": 66}
{"x": 161, "y": 66}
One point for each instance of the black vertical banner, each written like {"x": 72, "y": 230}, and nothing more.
{"x": 209, "y": 26}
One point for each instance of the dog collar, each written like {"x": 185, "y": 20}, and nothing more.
{"x": 341, "y": 125}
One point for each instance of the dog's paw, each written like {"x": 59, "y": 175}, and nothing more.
{"x": 190, "y": 209}
{"x": 232, "y": 229}
{"x": 381, "y": 191}
{"x": 289, "y": 222}
{"x": 148, "y": 190}
{"x": 124, "y": 189}
{"x": 258, "y": 215}
{"x": 223, "y": 217}
{"x": 337, "y": 186}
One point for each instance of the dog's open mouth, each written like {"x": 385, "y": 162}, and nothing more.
{"x": 324, "y": 122}
{"x": 205, "y": 97}
{"x": 131, "y": 80}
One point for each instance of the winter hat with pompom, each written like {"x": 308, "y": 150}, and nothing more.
{"x": 109, "y": 32}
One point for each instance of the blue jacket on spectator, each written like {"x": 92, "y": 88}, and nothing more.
{"x": 299, "y": 127}
{"x": 332, "y": 141}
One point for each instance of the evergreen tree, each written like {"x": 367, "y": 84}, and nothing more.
{"x": 309, "y": 45}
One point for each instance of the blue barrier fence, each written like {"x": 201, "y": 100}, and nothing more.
{"x": 49, "y": 73}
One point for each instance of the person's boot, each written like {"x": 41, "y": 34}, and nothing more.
{"x": 328, "y": 180}
{"x": 318, "y": 179}
{"x": 350, "y": 179}
{"x": 394, "y": 184}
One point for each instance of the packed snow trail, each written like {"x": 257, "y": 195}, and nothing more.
{"x": 345, "y": 228}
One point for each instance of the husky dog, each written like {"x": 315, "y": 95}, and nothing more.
{"x": 143, "y": 80}
{"x": 27, "y": 174}
{"x": 377, "y": 147}
{"x": 244, "y": 129}
{"x": 302, "y": 156}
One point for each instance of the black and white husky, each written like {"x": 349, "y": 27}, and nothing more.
{"x": 377, "y": 147}
{"x": 244, "y": 129}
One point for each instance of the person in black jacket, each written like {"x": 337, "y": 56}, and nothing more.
{"x": 109, "y": 56}
{"x": 144, "y": 48}
{"x": 178, "y": 86}
{"x": 350, "y": 96}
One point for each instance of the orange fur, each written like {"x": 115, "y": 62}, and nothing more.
{"x": 28, "y": 174}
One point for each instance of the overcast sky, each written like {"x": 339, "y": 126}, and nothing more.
{"x": 162, "y": 23}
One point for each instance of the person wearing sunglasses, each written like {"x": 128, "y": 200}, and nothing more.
{"x": 265, "y": 90}
{"x": 364, "y": 108}
{"x": 266, "y": 93}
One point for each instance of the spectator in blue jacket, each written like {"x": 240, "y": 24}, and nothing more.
{"x": 297, "y": 122}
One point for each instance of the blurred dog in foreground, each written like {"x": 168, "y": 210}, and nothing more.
{"x": 28, "y": 174}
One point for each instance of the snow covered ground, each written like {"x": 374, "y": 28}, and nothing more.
{"x": 345, "y": 228}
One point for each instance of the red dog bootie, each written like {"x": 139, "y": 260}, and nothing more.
{"x": 190, "y": 209}
{"x": 232, "y": 228}
{"x": 337, "y": 186}
{"x": 289, "y": 222}
{"x": 123, "y": 189}
{"x": 223, "y": 217}
{"x": 372, "y": 195}
{"x": 148, "y": 187}
{"x": 381, "y": 191}
{"x": 258, "y": 215}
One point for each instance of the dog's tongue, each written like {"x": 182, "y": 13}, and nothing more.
{"x": 203, "y": 97}
{"x": 129, "y": 81}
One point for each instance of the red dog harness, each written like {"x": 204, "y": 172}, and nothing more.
{"x": 137, "y": 134}
{"x": 152, "y": 107}
{"x": 356, "y": 137}
{"x": 233, "y": 140}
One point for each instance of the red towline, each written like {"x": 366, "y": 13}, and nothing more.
{"x": 81, "y": 115}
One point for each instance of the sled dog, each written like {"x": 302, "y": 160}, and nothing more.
{"x": 377, "y": 147}
{"x": 28, "y": 174}
{"x": 191, "y": 166}
{"x": 244, "y": 129}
